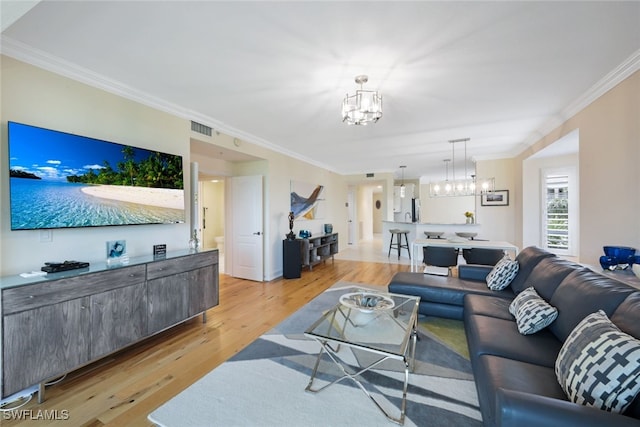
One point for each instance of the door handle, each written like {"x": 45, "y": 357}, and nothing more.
{"x": 257, "y": 233}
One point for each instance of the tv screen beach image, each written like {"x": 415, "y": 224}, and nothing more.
{"x": 61, "y": 180}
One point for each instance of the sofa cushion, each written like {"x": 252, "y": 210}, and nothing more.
{"x": 502, "y": 274}
{"x": 627, "y": 315}
{"x": 436, "y": 309}
{"x": 584, "y": 292}
{"x": 627, "y": 318}
{"x": 599, "y": 365}
{"x": 474, "y": 272}
{"x": 488, "y": 306}
{"x": 532, "y": 313}
{"x": 493, "y": 373}
{"x": 445, "y": 290}
{"x": 527, "y": 259}
{"x": 500, "y": 337}
{"x": 548, "y": 274}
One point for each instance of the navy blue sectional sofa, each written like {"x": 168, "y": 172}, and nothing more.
{"x": 514, "y": 373}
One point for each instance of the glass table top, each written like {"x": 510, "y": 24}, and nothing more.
{"x": 376, "y": 321}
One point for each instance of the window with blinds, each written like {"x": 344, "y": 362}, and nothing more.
{"x": 556, "y": 216}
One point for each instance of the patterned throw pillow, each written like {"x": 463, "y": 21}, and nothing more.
{"x": 598, "y": 365}
{"x": 502, "y": 274}
{"x": 532, "y": 313}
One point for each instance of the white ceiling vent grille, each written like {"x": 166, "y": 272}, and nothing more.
{"x": 200, "y": 128}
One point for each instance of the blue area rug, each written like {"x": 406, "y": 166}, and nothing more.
{"x": 264, "y": 384}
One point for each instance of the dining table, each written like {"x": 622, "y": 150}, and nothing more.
{"x": 458, "y": 243}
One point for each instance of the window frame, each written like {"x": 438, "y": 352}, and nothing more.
{"x": 573, "y": 209}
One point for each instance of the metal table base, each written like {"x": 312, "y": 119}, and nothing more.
{"x": 344, "y": 368}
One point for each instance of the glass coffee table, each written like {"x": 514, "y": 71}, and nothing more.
{"x": 382, "y": 324}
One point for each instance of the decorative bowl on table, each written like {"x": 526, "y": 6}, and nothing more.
{"x": 608, "y": 262}
{"x": 621, "y": 256}
{"x": 433, "y": 234}
{"x": 367, "y": 302}
{"x": 466, "y": 234}
{"x": 620, "y": 252}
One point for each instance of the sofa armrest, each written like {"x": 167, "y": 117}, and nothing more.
{"x": 474, "y": 271}
{"x": 519, "y": 409}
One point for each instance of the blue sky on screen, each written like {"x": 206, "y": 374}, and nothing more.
{"x": 54, "y": 155}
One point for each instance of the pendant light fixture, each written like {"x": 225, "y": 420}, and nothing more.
{"x": 469, "y": 185}
{"x": 402, "y": 187}
{"x": 362, "y": 108}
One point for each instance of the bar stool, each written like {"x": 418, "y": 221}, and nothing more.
{"x": 398, "y": 245}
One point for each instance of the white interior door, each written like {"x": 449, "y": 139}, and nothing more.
{"x": 351, "y": 214}
{"x": 247, "y": 241}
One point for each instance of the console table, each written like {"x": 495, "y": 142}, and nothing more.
{"x": 318, "y": 249}
{"x": 55, "y": 324}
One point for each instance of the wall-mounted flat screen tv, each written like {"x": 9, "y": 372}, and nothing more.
{"x": 61, "y": 180}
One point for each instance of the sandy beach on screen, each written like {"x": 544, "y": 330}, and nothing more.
{"x": 159, "y": 197}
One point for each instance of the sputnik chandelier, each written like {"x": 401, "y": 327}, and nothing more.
{"x": 362, "y": 108}
{"x": 468, "y": 185}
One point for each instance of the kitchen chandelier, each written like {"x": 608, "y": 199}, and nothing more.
{"x": 468, "y": 185}
{"x": 402, "y": 187}
{"x": 362, "y": 108}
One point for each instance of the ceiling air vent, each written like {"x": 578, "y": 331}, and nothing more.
{"x": 200, "y": 128}
{"x": 370, "y": 175}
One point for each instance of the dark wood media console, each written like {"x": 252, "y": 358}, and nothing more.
{"x": 56, "y": 324}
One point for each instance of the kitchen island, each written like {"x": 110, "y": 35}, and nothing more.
{"x": 417, "y": 231}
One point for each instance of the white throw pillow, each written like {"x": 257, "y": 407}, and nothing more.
{"x": 599, "y": 365}
{"x": 532, "y": 313}
{"x": 502, "y": 274}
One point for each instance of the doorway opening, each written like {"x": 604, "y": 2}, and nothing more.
{"x": 218, "y": 168}
{"x": 212, "y": 200}
{"x": 367, "y": 203}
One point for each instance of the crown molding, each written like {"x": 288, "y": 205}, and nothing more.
{"x": 41, "y": 59}
{"x": 46, "y": 61}
{"x": 608, "y": 82}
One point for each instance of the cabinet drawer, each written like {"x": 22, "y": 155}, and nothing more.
{"x": 52, "y": 292}
{"x": 180, "y": 265}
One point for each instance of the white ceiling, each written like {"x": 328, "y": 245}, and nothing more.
{"x": 275, "y": 73}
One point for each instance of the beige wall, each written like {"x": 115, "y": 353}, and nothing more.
{"x": 278, "y": 171}
{"x": 444, "y": 210}
{"x": 37, "y": 97}
{"x": 498, "y": 222}
{"x": 365, "y": 218}
{"x": 609, "y": 172}
{"x": 34, "y": 96}
{"x": 378, "y": 213}
{"x": 609, "y": 161}
{"x": 212, "y": 198}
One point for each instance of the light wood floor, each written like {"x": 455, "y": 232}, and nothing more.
{"x": 121, "y": 390}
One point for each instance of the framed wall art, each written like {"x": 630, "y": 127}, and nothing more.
{"x": 307, "y": 200}
{"x": 496, "y": 198}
